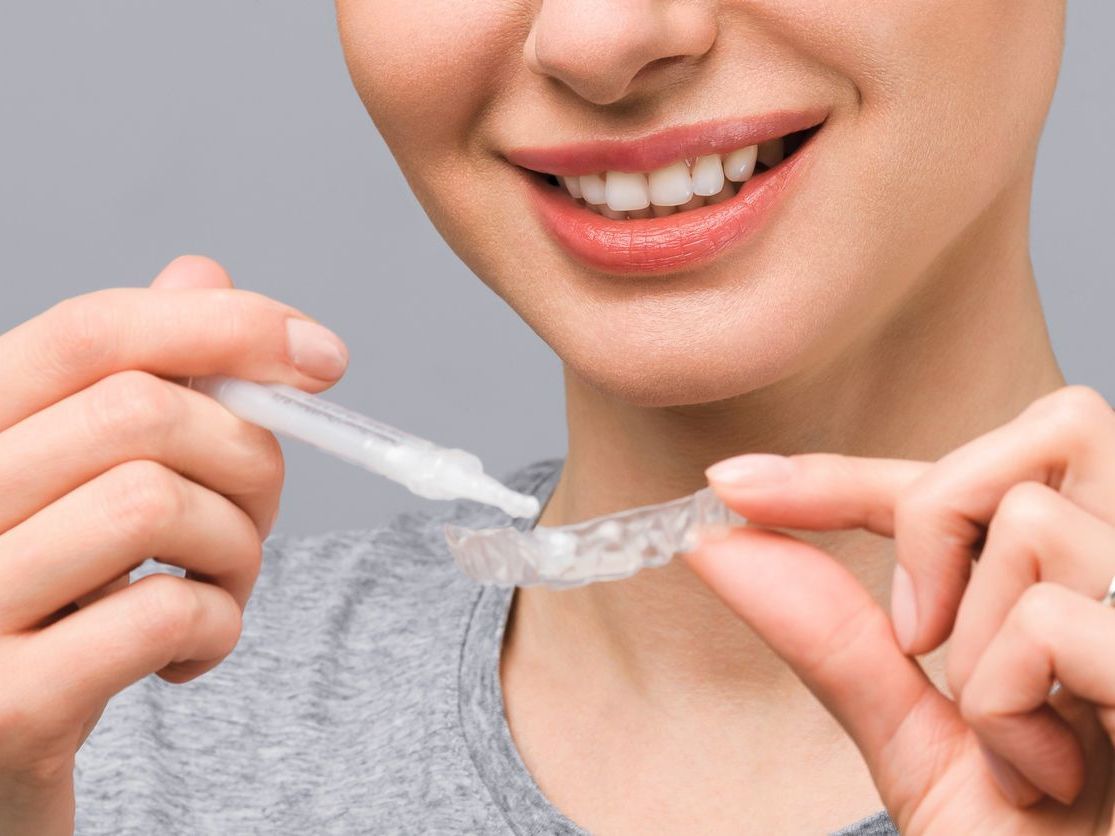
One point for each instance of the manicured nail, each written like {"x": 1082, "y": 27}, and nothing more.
{"x": 315, "y": 350}
{"x": 704, "y": 535}
{"x": 752, "y": 470}
{"x": 713, "y": 533}
{"x": 903, "y": 607}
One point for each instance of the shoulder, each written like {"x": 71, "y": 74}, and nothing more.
{"x": 348, "y": 661}
{"x": 407, "y": 552}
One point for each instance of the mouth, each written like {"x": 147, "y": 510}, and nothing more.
{"x": 668, "y": 201}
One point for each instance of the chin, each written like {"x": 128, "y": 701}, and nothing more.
{"x": 648, "y": 366}
{"x": 683, "y": 384}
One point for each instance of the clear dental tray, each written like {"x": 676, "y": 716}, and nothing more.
{"x": 601, "y": 549}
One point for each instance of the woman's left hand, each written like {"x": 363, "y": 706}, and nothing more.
{"x": 1034, "y": 503}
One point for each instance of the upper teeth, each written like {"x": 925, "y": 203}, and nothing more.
{"x": 676, "y": 184}
{"x": 740, "y": 165}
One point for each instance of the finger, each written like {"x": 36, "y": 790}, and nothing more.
{"x": 819, "y": 491}
{"x": 134, "y": 415}
{"x": 814, "y": 491}
{"x": 939, "y": 516}
{"x": 101, "y": 592}
{"x": 1051, "y": 633}
{"x": 815, "y": 616}
{"x": 172, "y": 333}
{"x": 174, "y": 626}
{"x": 192, "y": 271}
{"x": 1065, "y": 441}
{"x": 1036, "y": 535}
{"x": 107, "y": 527}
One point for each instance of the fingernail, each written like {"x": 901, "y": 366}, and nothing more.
{"x": 714, "y": 533}
{"x": 703, "y": 535}
{"x": 903, "y": 607}
{"x": 754, "y": 469}
{"x": 315, "y": 350}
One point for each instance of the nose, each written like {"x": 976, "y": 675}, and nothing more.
{"x": 604, "y": 50}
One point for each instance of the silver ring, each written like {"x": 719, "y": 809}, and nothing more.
{"x": 1108, "y": 600}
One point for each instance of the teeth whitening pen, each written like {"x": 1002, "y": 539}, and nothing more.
{"x": 423, "y": 467}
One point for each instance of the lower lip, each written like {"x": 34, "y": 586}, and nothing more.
{"x": 662, "y": 245}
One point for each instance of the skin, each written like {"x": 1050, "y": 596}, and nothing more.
{"x": 1032, "y": 500}
{"x": 150, "y": 468}
{"x": 884, "y": 328}
{"x": 887, "y": 310}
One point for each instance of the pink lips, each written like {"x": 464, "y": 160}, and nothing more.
{"x": 685, "y": 239}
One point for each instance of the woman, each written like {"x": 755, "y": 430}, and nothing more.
{"x": 787, "y": 228}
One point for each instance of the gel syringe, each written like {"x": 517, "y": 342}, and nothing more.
{"x": 423, "y": 467}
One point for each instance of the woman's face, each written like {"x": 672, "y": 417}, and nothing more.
{"x": 928, "y": 111}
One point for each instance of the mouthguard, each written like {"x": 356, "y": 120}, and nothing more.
{"x": 605, "y": 548}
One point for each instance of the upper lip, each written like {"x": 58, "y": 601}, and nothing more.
{"x": 655, "y": 150}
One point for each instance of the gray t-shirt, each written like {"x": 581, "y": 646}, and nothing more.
{"x": 363, "y": 697}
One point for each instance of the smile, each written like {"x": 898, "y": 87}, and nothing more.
{"x": 670, "y": 200}
{"x": 678, "y": 187}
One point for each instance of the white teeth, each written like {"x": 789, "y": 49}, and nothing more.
{"x": 592, "y": 188}
{"x": 771, "y": 153}
{"x": 626, "y": 191}
{"x": 708, "y": 175}
{"x": 671, "y": 185}
{"x": 740, "y": 164}
{"x": 678, "y": 187}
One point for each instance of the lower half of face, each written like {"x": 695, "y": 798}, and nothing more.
{"x": 538, "y": 139}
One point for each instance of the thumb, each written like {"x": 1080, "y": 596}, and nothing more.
{"x": 816, "y": 616}
{"x": 192, "y": 271}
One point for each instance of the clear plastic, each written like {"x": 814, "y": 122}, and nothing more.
{"x": 602, "y": 549}
{"x": 423, "y": 467}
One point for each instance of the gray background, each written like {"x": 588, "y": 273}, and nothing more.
{"x": 133, "y": 131}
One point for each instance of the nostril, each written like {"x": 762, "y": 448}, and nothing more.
{"x": 656, "y": 65}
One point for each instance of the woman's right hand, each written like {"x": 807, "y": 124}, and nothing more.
{"x": 106, "y": 461}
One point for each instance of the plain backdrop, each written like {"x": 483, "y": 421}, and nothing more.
{"x": 133, "y": 131}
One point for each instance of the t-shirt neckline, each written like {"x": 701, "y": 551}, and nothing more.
{"x": 493, "y": 752}
{"x": 483, "y": 719}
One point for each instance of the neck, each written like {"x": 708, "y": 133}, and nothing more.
{"x": 968, "y": 351}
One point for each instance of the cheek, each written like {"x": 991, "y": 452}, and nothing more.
{"x": 940, "y": 142}
{"x": 956, "y": 86}
{"x": 425, "y": 72}
{"x": 939, "y": 127}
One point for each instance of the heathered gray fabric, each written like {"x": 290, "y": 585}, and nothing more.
{"x": 363, "y": 698}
